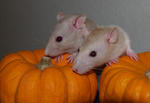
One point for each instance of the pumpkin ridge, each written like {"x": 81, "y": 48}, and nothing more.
{"x": 126, "y": 87}
{"x": 112, "y": 79}
{"x": 39, "y": 91}
{"x": 19, "y": 84}
{"x": 118, "y": 67}
{"x": 142, "y": 89}
{"x": 25, "y": 54}
{"x": 75, "y": 86}
{"x": 35, "y": 55}
{"x": 15, "y": 64}
{"x": 138, "y": 73}
{"x": 108, "y": 71}
{"x": 94, "y": 85}
{"x": 134, "y": 78}
{"x": 8, "y": 58}
{"x": 10, "y": 63}
{"x": 8, "y": 66}
{"x": 131, "y": 65}
{"x": 90, "y": 89}
{"x": 144, "y": 56}
{"x": 102, "y": 87}
{"x": 39, "y": 53}
{"x": 22, "y": 57}
{"x": 22, "y": 81}
{"x": 105, "y": 91}
{"x": 144, "y": 64}
{"x": 130, "y": 70}
{"x": 66, "y": 82}
{"x": 105, "y": 71}
{"x": 122, "y": 74}
{"x": 58, "y": 71}
{"x": 129, "y": 83}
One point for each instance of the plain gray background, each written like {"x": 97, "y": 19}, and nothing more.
{"x": 27, "y": 24}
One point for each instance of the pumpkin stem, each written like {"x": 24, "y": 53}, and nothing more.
{"x": 147, "y": 74}
{"x": 44, "y": 63}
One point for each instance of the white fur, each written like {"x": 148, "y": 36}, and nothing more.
{"x": 106, "y": 52}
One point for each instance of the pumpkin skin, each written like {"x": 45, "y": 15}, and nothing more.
{"x": 21, "y": 81}
{"x": 126, "y": 81}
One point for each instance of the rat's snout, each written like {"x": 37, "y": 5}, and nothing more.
{"x": 80, "y": 67}
{"x": 75, "y": 67}
{"x": 75, "y": 70}
{"x": 48, "y": 54}
{"x": 52, "y": 51}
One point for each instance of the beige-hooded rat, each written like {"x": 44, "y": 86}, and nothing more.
{"x": 69, "y": 34}
{"x": 103, "y": 46}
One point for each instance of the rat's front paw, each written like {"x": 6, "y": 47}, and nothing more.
{"x": 112, "y": 61}
{"x": 132, "y": 55}
{"x": 58, "y": 58}
{"x": 71, "y": 58}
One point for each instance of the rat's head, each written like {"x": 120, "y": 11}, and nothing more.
{"x": 95, "y": 51}
{"x": 66, "y": 34}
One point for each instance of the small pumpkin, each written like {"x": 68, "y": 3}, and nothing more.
{"x": 24, "y": 80}
{"x": 127, "y": 81}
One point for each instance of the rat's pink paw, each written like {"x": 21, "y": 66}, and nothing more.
{"x": 112, "y": 61}
{"x": 58, "y": 58}
{"x": 71, "y": 58}
{"x": 132, "y": 55}
{"x": 109, "y": 64}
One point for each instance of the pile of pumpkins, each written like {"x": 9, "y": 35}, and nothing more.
{"x": 30, "y": 77}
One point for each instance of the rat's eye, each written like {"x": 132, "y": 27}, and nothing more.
{"x": 59, "y": 39}
{"x": 78, "y": 50}
{"x": 92, "y": 53}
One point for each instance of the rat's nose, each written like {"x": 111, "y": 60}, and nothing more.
{"x": 75, "y": 70}
{"x": 49, "y": 56}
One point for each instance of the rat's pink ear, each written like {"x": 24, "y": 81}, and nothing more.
{"x": 60, "y": 16}
{"x": 112, "y": 36}
{"x": 78, "y": 22}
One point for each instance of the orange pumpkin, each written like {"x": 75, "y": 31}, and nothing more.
{"x": 126, "y": 81}
{"x": 23, "y": 81}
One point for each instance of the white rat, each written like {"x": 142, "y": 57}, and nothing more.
{"x": 104, "y": 46}
{"x": 68, "y": 35}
